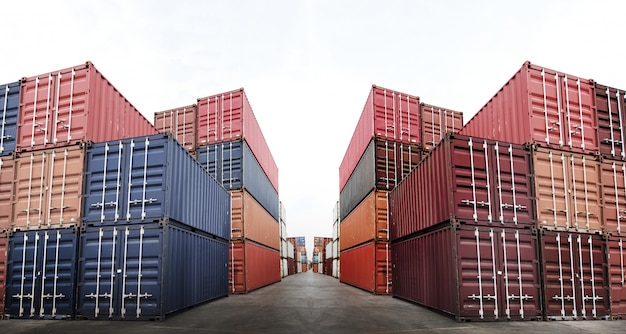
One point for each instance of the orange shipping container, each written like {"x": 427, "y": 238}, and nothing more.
{"x": 48, "y": 188}
{"x": 567, "y": 190}
{"x": 367, "y": 222}
{"x": 7, "y": 174}
{"x": 251, "y": 221}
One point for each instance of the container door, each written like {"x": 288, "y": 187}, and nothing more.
{"x": 408, "y": 119}
{"x": 610, "y": 113}
{"x": 104, "y": 182}
{"x": 65, "y": 186}
{"x": 9, "y": 99}
{"x": 231, "y": 116}
{"x": 145, "y": 196}
{"x": 208, "y": 129}
{"x": 613, "y": 182}
{"x": 551, "y": 188}
{"x": 617, "y": 276}
{"x": 545, "y": 94}
{"x": 7, "y": 177}
{"x": 579, "y": 116}
{"x": 30, "y": 185}
{"x": 385, "y": 113}
{"x": 584, "y": 189}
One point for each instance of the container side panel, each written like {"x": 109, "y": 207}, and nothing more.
{"x": 358, "y": 267}
{"x": 361, "y": 183}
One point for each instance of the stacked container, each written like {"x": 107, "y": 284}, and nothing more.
{"x": 336, "y": 241}
{"x": 284, "y": 248}
{"x": 319, "y": 254}
{"x": 386, "y": 145}
{"x": 231, "y": 146}
{"x": 181, "y": 123}
{"x": 300, "y": 254}
{"x": 291, "y": 254}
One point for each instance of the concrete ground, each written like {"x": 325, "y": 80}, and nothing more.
{"x": 308, "y": 303}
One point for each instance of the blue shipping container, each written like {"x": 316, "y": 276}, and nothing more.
{"x": 146, "y": 271}
{"x": 8, "y": 118}
{"x": 234, "y": 165}
{"x": 149, "y": 179}
{"x": 41, "y": 274}
{"x": 300, "y": 241}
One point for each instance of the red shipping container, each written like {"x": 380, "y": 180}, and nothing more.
{"x": 467, "y": 180}
{"x": 7, "y": 176}
{"x": 574, "y": 282}
{"x": 227, "y": 117}
{"x": 48, "y": 188}
{"x": 567, "y": 188}
{"x": 616, "y": 258}
{"x": 613, "y": 184}
{"x": 181, "y": 123}
{"x": 387, "y": 114}
{"x": 540, "y": 106}
{"x": 473, "y": 273}
{"x": 252, "y": 266}
{"x": 437, "y": 122}
{"x": 4, "y": 248}
{"x": 367, "y": 222}
{"x": 75, "y": 105}
{"x": 611, "y": 117}
{"x": 251, "y": 221}
{"x": 368, "y": 267}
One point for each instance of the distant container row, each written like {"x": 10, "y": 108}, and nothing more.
{"x": 219, "y": 118}
{"x": 112, "y": 272}
{"x": 128, "y": 181}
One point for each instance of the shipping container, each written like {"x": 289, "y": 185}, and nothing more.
{"x": 41, "y": 274}
{"x": 283, "y": 267}
{"x": 383, "y": 165}
{"x": 4, "y": 248}
{"x": 366, "y": 222}
{"x": 328, "y": 267}
{"x": 228, "y": 117}
{"x": 388, "y": 115}
{"x": 251, "y": 221}
{"x": 611, "y": 117}
{"x": 147, "y": 271}
{"x": 291, "y": 266}
{"x": 567, "y": 190}
{"x": 73, "y": 105}
{"x": 540, "y": 106}
{"x": 291, "y": 249}
{"x": 48, "y": 188}
{"x": 180, "y": 122}
{"x": 151, "y": 178}
{"x": 474, "y": 273}
{"x": 336, "y": 268}
{"x": 9, "y": 118}
{"x": 328, "y": 251}
{"x": 252, "y": 266}
{"x": 235, "y": 167}
{"x": 368, "y": 267}
{"x": 437, "y": 122}
{"x": 573, "y": 276}
{"x": 616, "y": 257}
{"x": 7, "y": 177}
{"x": 467, "y": 180}
{"x": 613, "y": 184}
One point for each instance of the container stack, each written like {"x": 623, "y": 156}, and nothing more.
{"x": 231, "y": 146}
{"x": 328, "y": 258}
{"x": 336, "y": 241}
{"x": 386, "y": 145}
{"x": 319, "y": 253}
{"x": 291, "y": 256}
{"x": 89, "y": 193}
{"x": 300, "y": 254}
{"x": 284, "y": 247}
{"x": 527, "y": 212}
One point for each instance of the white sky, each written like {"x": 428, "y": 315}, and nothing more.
{"x": 307, "y": 66}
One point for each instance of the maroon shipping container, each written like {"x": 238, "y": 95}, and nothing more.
{"x": 616, "y": 258}
{"x": 387, "y": 114}
{"x": 573, "y": 276}
{"x": 613, "y": 182}
{"x": 74, "y": 105}
{"x": 368, "y": 267}
{"x": 473, "y": 273}
{"x": 4, "y": 248}
{"x": 611, "y": 117}
{"x": 437, "y": 122}
{"x": 181, "y": 123}
{"x": 567, "y": 189}
{"x": 467, "y": 180}
{"x": 252, "y": 266}
{"x": 227, "y": 117}
{"x": 328, "y": 267}
{"x": 540, "y": 106}
{"x": 291, "y": 266}
{"x": 7, "y": 176}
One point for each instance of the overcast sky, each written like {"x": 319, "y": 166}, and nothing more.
{"x": 307, "y": 66}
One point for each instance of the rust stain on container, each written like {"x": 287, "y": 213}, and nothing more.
{"x": 437, "y": 122}
{"x": 567, "y": 188}
{"x": 574, "y": 281}
{"x": 367, "y": 222}
{"x": 472, "y": 273}
{"x": 49, "y": 188}
{"x": 252, "y": 266}
{"x": 7, "y": 176}
{"x": 616, "y": 258}
{"x": 251, "y": 221}
{"x": 540, "y": 106}
{"x": 72, "y": 105}
{"x": 181, "y": 123}
{"x": 368, "y": 267}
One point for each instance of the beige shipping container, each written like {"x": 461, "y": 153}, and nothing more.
{"x": 567, "y": 191}
{"x": 614, "y": 196}
{"x": 7, "y": 175}
{"x": 251, "y": 221}
{"x": 48, "y": 188}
